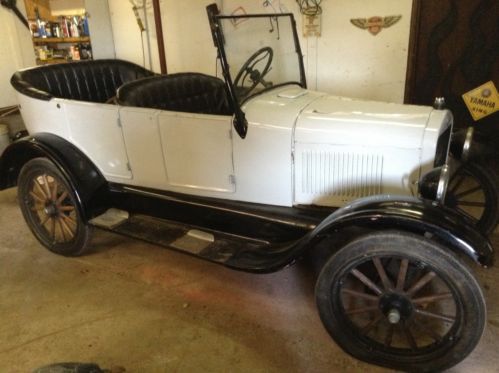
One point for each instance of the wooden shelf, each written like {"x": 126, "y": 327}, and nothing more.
{"x": 51, "y": 61}
{"x": 83, "y": 39}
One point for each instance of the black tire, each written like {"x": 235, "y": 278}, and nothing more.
{"x": 49, "y": 206}
{"x": 375, "y": 335}
{"x": 473, "y": 191}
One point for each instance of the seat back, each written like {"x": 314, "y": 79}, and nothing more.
{"x": 184, "y": 92}
{"x": 94, "y": 81}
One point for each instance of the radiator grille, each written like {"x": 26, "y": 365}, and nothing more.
{"x": 341, "y": 174}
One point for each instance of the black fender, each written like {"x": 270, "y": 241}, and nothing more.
{"x": 90, "y": 187}
{"x": 407, "y": 214}
{"x": 447, "y": 226}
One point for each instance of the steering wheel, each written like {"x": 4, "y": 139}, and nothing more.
{"x": 251, "y": 74}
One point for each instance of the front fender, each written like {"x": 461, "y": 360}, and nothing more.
{"x": 85, "y": 179}
{"x": 447, "y": 226}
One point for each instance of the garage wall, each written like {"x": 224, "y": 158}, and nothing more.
{"x": 344, "y": 61}
{"x": 101, "y": 31}
{"x": 16, "y": 52}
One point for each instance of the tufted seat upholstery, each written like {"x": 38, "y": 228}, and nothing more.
{"x": 95, "y": 81}
{"x": 184, "y": 92}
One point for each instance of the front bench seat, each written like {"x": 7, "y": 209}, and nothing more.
{"x": 183, "y": 92}
{"x": 94, "y": 81}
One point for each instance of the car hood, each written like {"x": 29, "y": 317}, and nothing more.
{"x": 344, "y": 121}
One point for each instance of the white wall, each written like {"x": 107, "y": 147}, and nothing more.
{"x": 126, "y": 34}
{"x": 67, "y": 7}
{"x": 186, "y": 32}
{"x": 344, "y": 60}
{"x": 16, "y": 52}
{"x": 100, "y": 28}
{"x": 352, "y": 62}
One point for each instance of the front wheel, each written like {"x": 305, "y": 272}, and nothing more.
{"x": 49, "y": 206}
{"x": 401, "y": 301}
{"x": 473, "y": 192}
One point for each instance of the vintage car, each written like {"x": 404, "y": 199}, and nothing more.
{"x": 254, "y": 171}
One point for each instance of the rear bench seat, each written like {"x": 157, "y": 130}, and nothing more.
{"x": 94, "y": 81}
{"x": 184, "y": 92}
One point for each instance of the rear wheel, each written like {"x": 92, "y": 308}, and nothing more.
{"x": 48, "y": 204}
{"x": 401, "y": 301}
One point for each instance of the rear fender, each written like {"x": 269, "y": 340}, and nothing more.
{"x": 442, "y": 224}
{"x": 85, "y": 179}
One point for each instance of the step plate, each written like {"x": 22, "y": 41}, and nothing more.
{"x": 214, "y": 246}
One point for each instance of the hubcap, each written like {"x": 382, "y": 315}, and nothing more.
{"x": 396, "y": 307}
{"x": 393, "y": 316}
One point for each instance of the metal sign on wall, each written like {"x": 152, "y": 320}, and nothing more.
{"x": 482, "y": 101}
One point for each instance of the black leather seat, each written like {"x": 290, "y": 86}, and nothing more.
{"x": 94, "y": 81}
{"x": 184, "y": 92}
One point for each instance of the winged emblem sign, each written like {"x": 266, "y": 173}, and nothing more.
{"x": 375, "y": 24}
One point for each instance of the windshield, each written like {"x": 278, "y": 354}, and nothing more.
{"x": 262, "y": 52}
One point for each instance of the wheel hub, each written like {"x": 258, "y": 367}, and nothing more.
{"x": 396, "y": 307}
{"x": 51, "y": 210}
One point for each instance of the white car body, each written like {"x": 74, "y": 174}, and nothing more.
{"x": 302, "y": 147}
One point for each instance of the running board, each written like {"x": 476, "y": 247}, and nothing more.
{"x": 214, "y": 246}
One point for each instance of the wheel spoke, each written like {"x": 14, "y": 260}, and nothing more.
{"x": 37, "y": 208}
{"x": 404, "y": 264}
{"x": 62, "y": 230}
{"x": 461, "y": 211}
{"x": 39, "y": 188}
{"x": 458, "y": 183}
{"x": 366, "y": 281}
{"x": 471, "y": 204}
{"x": 409, "y": 337}
{"x": 36, "y": 197}
{"x": 389, "y": 335}
{"x": 435, "y": 315}
{"x": 387, "y": 284}
{"x": 469, "y": 191}
{"x": 420, "y": 283}
{"x": 54, "y": 190}
{"x": 66, "y": 227}
{"x": 366, "y": 329}
{"x": 44, "y": 221}
{"x": 66, "y": 208}
{"x": 63, "y": 196}
{"x": 429, "y": 331}
{"x": 46, "y": 185}
{"x": 52, "y": 229}
{"x": 69, "y": 219}
{"x": 361, "y": 295}
{"x": 432, "y": 298}
{"x": 355, "y": 311}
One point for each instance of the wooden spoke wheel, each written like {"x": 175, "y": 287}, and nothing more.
{"x": 473, "y": 191}
{"x": 49, "y": 207}
{"x": 401, "y": 301}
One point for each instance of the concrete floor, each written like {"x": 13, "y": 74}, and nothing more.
{"x": 149, "y": 309}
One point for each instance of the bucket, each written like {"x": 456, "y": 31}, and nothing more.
{"x": 4, "y": 137}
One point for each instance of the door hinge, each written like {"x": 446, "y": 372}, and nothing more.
{"x": 232, "y": 179}
{"x": 119, "y": 122}
{"x": 230, "y": 134}
{"x": 129, "y": 168}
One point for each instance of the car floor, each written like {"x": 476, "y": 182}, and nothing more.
{"x": 149, "y": 309}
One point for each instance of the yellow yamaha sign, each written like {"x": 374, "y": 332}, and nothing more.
{"x": 482, "y": 101}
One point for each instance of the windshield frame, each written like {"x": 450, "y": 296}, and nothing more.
{"x": 240, "y": 123}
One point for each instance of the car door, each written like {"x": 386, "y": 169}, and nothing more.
{"x": 197, "y": 151}
{"x": 95, "y": 129}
